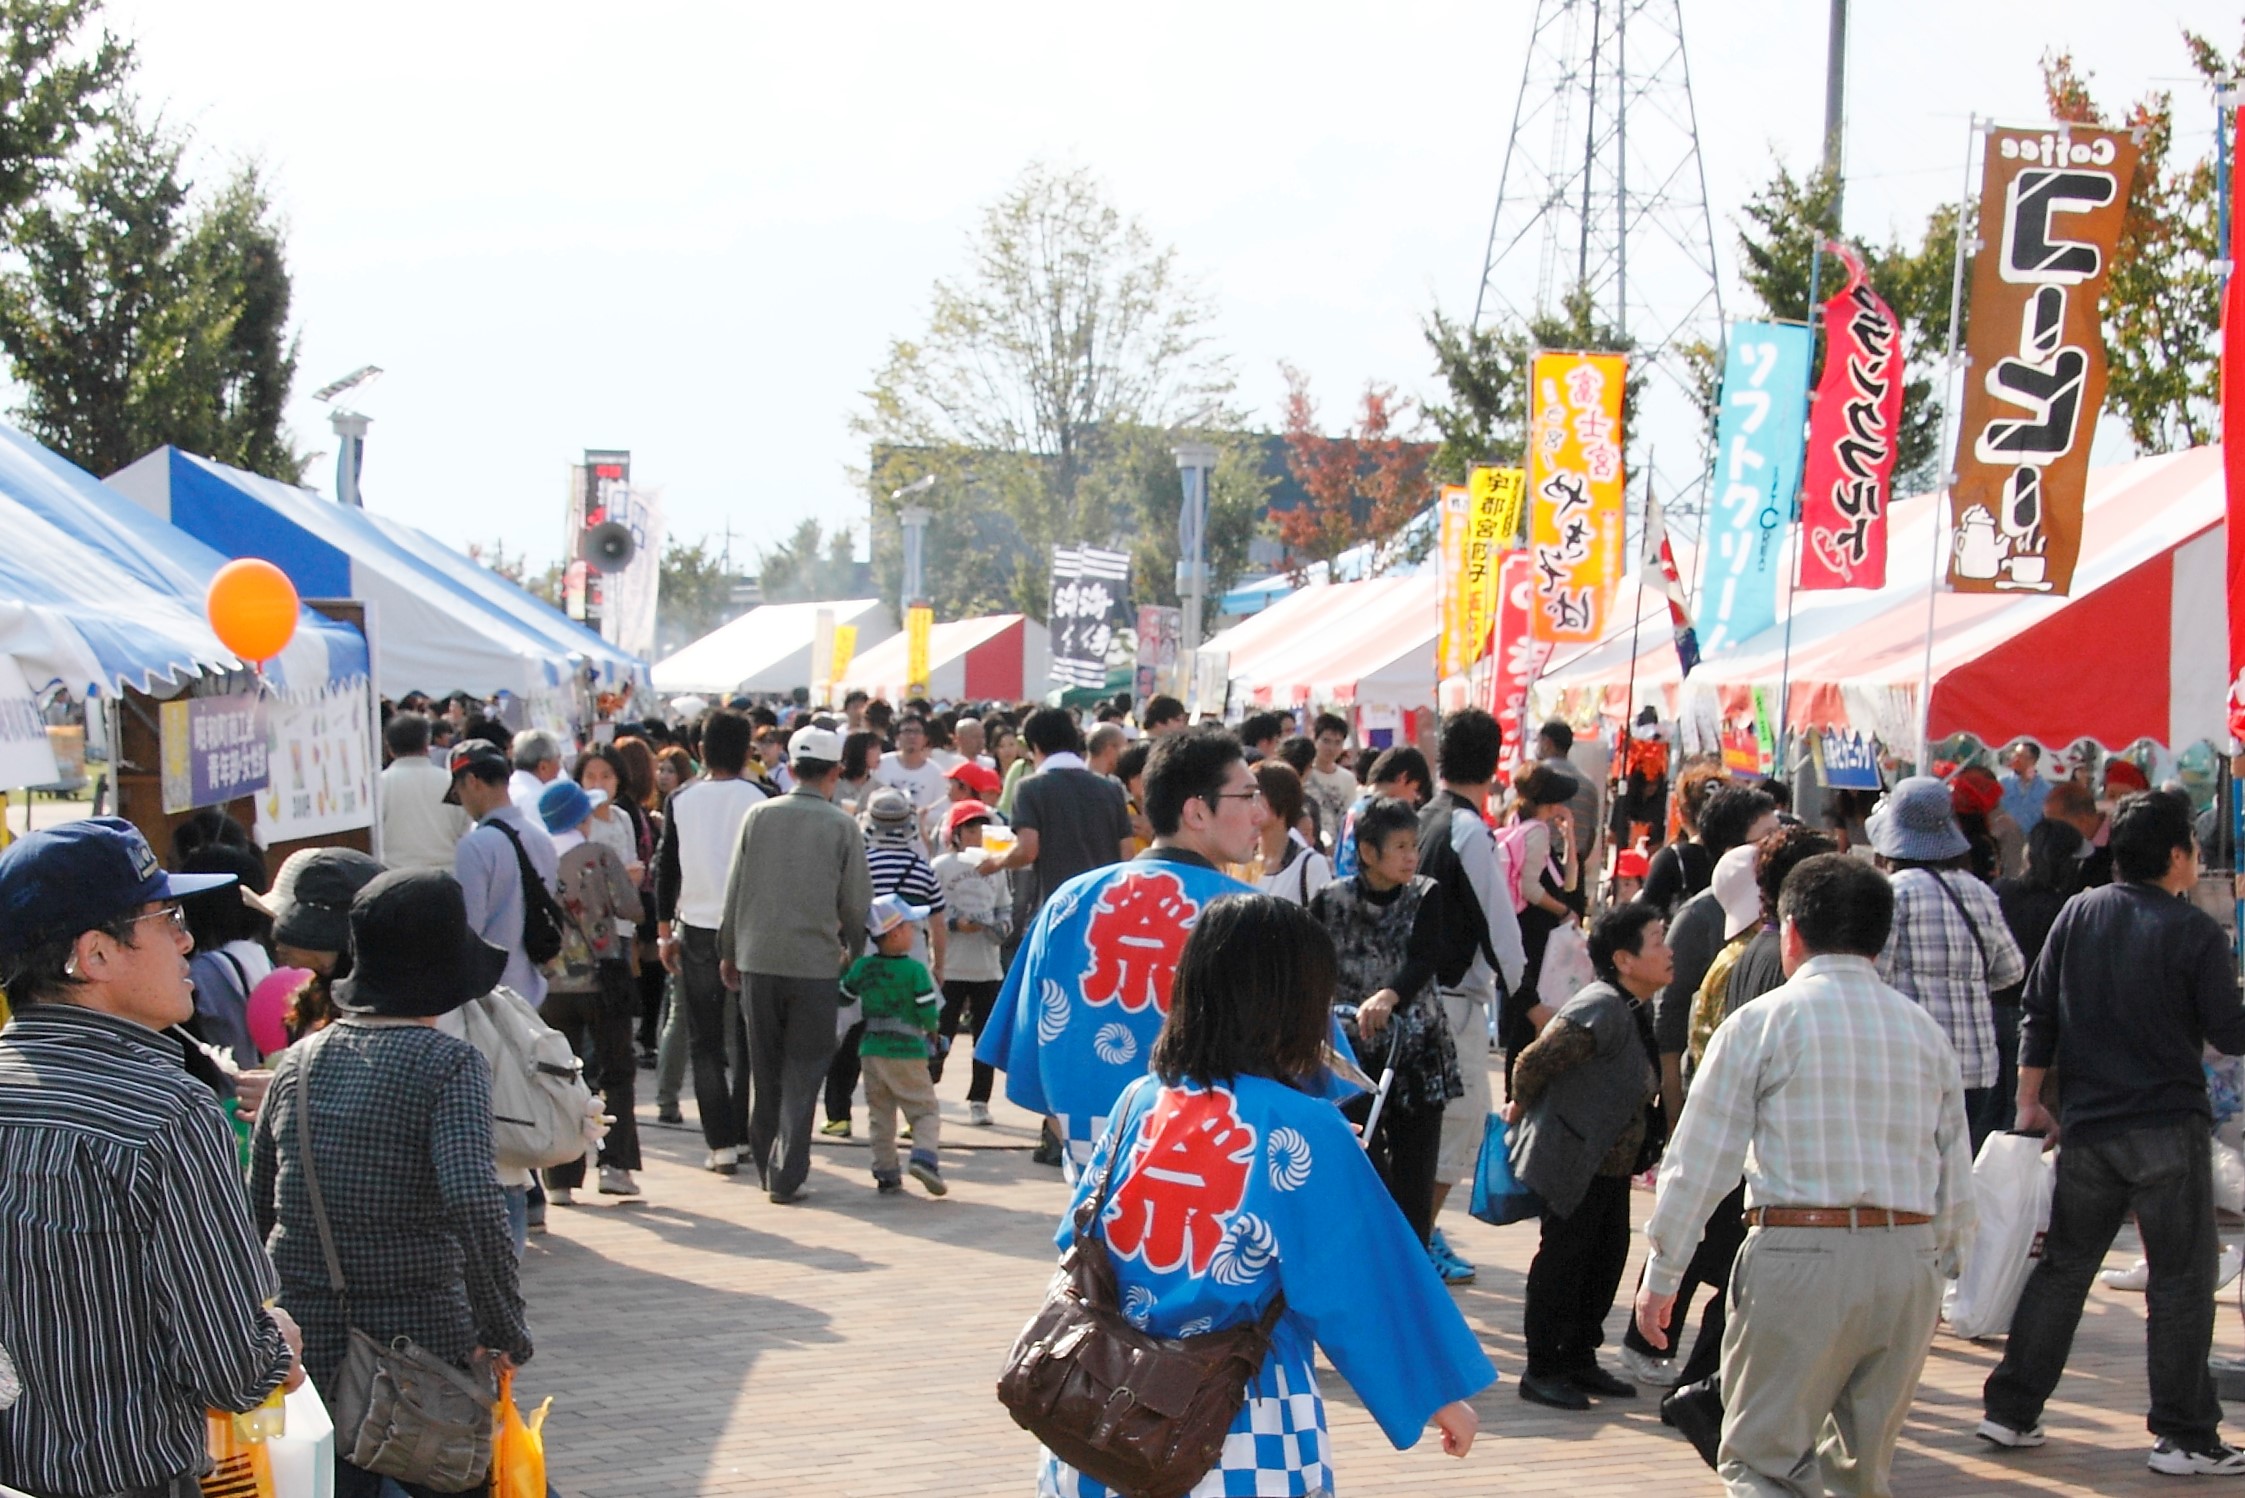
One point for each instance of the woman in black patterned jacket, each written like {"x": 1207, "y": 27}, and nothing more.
{"x": 400, "y": 1118}
{"x": 1386, "y": 930}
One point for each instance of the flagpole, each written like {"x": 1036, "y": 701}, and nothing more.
{"x": 1637, "y": 611}
{"x": 1792, "y": 540}
{"x": 1949, "y": 419}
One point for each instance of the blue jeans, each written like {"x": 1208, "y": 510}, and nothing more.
{"x": 518, "y": 1216}
{"x": 2163, "y": 1175}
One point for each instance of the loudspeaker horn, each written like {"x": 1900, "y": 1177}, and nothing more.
{"x": 607, "y": 546}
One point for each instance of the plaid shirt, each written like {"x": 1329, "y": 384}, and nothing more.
{"x": 1850, "y": 1098}
{"x": 1951, "y": 964}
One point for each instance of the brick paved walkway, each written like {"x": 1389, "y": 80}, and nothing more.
{"x": 707, "y": 1342}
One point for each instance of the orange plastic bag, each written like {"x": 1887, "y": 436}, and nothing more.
{"x": 240, "y": 1465}
{"x": 518, "y": 1451}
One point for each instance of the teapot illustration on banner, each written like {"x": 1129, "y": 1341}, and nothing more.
{"x": 1979, "y": 550}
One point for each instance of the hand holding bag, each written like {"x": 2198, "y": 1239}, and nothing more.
{"x": 400, "y": 1410}
{"x": 1498, "y": 1195}
{"x": 1143, "y": 1414}
{"x": 518, "y": 1454}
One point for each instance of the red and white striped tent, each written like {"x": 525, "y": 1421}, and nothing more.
{"x": 2137, "y": 652}
{"x": 997, "y": 658}
{"x": 1367, "y": 643}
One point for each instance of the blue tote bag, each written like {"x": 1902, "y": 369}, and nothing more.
{"x": 1498, "y": 1196}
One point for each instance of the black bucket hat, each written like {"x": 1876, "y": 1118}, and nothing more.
{"x": 414, "y": 954}
{"x": 312, "y": 896}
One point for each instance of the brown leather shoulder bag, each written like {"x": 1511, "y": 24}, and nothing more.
{"x": 1146, "y": 1415}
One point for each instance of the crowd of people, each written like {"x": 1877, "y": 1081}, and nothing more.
{"x": 1271, "y": 992}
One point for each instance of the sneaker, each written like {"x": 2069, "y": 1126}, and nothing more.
{"x": 2211, "y": 1460}
{"x": 725, "y": 1162}
{"x": 1454, "y": 1270}
{"x": 2232, "y": 1260}
{"x": 838, "y": 1128}
{"x": 561, "y": 1196}
{"x": 1648, "y": 1368}
{"x": 925, "y": 1172}
{"x": 2135, "y": 1277}
{"x": 1996, "y": 1433}
{"x": 1047, "y": 1152}
{"x": 887, "y": 1185}
{"x": 670, "y": 1116}
{"x": 614, "y": 1182}
{"x": 905, "y": 1132}
{"x": 978, "y": 1114}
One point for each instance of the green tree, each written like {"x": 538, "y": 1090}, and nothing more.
{"x": 1786, "y": 221}
{"x": 809, "y": 566}
{"x": 54, "y": 86}
{"x": 138, "y": 317}
{"x": 694, "y": 594}
{"x": 1069, "y": 333}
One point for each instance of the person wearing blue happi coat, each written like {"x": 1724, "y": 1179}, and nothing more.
{"x": 1087, "y": 992}
{"x": 1225, "y": 1180}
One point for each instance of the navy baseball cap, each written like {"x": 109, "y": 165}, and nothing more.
{"x": 59, "y": 881}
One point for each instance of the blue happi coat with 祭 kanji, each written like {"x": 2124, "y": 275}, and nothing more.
{"x": 1087, "y": 993}
{"x": 1224, "y": 1197}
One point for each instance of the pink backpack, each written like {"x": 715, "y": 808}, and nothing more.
{"x": 1512, "y": 842}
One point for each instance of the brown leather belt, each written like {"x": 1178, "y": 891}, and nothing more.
{"x": 1831, "y": 1217}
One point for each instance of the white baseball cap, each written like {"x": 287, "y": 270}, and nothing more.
{"x": 822, "y": 744}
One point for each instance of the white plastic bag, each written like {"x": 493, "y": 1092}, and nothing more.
{"x": 2229, "y": 1177}
{"x": 2011, "y": 1183}
{"x": 304, "y": 1458}
{"x": 1566, "y": 967}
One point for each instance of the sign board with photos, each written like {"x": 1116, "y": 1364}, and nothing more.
{"x": 1090, "y": 603}
{"x": 322, "y": 761}
{"x": 1160, "y": 631}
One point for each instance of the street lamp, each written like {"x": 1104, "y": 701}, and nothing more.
{"x": 915, "y": 518}
{"x": 350, "y": 432}
{"x": 1195, "y": 462}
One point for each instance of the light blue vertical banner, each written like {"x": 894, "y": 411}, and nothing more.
{"x": 1759, "y": 432}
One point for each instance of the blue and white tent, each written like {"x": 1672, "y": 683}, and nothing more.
{"x": 95, "y": 594}
{"x": 440, "y": 622}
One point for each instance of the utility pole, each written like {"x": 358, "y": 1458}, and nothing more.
{"x": 1835, "y": 101}
{"x": 1195, "y": 462}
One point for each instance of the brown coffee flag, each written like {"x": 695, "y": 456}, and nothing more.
{"x": 2051, "y": 203}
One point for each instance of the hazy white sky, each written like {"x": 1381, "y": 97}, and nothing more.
{"x": 691, "y": 229}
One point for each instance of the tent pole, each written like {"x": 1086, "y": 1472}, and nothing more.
{"x": 1949, "y": 418}
{"x": 1791, "y": 571}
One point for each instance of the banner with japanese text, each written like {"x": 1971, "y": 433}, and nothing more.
{"x": 919, "y": 620}
{"x": 2051, "y": 203}
{"x": 845, "y": 650}
{"x": 1504, "y": 493}
{"x": 1495, "y": 496}
{"x": 1853, "y": 433}
{"x": 1575, "y": 483}
{"x": 1455, "y": 515}
{"x": 1161, "y": 631}
{"x": 323, "y": 764}
{"x": 214, "y": 749}
{"x": 1518, "y": 655}
{"x": 1757, "y": 473}
{"x": 1090, "y": 593}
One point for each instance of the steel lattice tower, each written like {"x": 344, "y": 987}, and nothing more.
{"x": 1602, "y": 189}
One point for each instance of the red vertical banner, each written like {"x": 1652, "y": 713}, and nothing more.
{"x": 1518, "y": 654}
{"x": 2233, "y": 452}
{"x": 1852, "y": 432}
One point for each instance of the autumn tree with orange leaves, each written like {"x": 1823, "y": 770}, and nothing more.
{"x": 1362, "y": 486}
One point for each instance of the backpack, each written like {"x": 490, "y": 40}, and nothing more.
{"x": 1512, "y": 842}
{"x": 543, "y": 920}
{"x": 1465, "y": 925}
{"x": 538, "y": 1096}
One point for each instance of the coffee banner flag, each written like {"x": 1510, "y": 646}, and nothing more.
{"x": 1574, "y": 492}
{"x": 1852, "y": 431}
{"x": 2051, "y": 203}
{"x": 1757, "y": 473}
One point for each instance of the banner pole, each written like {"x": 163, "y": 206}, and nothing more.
{"x": 1637, "y": 616}
{"x": 1949, "y": 405}
{"x": 1791, "y": 571}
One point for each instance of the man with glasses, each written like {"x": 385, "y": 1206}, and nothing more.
{"x": 138, "y": 1287}
{"x": 913, "y": 770}
{"x": 1088, "y": 991}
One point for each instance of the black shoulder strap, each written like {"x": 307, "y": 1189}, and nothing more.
{"x": 1987, "y": 968}
{"x": 311, "y": 1176}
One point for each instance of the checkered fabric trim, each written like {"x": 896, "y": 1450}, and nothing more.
{"x": 1278, "y": 1448}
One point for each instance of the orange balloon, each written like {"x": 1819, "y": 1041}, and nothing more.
{"x": 252, "y": 607}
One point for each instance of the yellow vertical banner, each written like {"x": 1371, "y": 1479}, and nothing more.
{"x": 1456, "y": 516}
{"x": 1575, "y": 492}
{"x": 1493, "y": 520}
{"x": 918, "y": 620}
{"x": 845, "y": 650}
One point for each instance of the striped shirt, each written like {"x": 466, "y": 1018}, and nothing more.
{"x": 1850, "y": 1097}
{"x": 134, "y": 1287}
{"x": 1951, "y": 955}
{"x": 898, "y": 869}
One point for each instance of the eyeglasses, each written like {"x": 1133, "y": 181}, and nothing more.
{"x": 176, "y": 914}
{"x": 1253, "y": 794}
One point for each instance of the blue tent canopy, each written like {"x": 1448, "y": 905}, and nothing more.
{"x": 96, "y": 594}
{"x": 443, "y": 622}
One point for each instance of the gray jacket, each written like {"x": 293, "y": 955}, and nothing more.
{"x": 799, "y": 891}
{"x": 1565, "y": 1134}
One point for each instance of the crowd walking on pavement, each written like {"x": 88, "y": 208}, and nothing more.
{"x": 1275, "y": 1001}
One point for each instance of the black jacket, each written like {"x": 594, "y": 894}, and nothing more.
{"x": 2131, "y": 987}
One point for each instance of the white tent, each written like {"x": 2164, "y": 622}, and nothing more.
{"x": 997, "y": 658}
{"x": 767, "y": 649}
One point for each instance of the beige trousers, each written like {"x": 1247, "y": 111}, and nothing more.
{"x": 1464, "y": 1119}
{"x": 1828, "y": 1331}
{"x": 894, "y": 1084}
